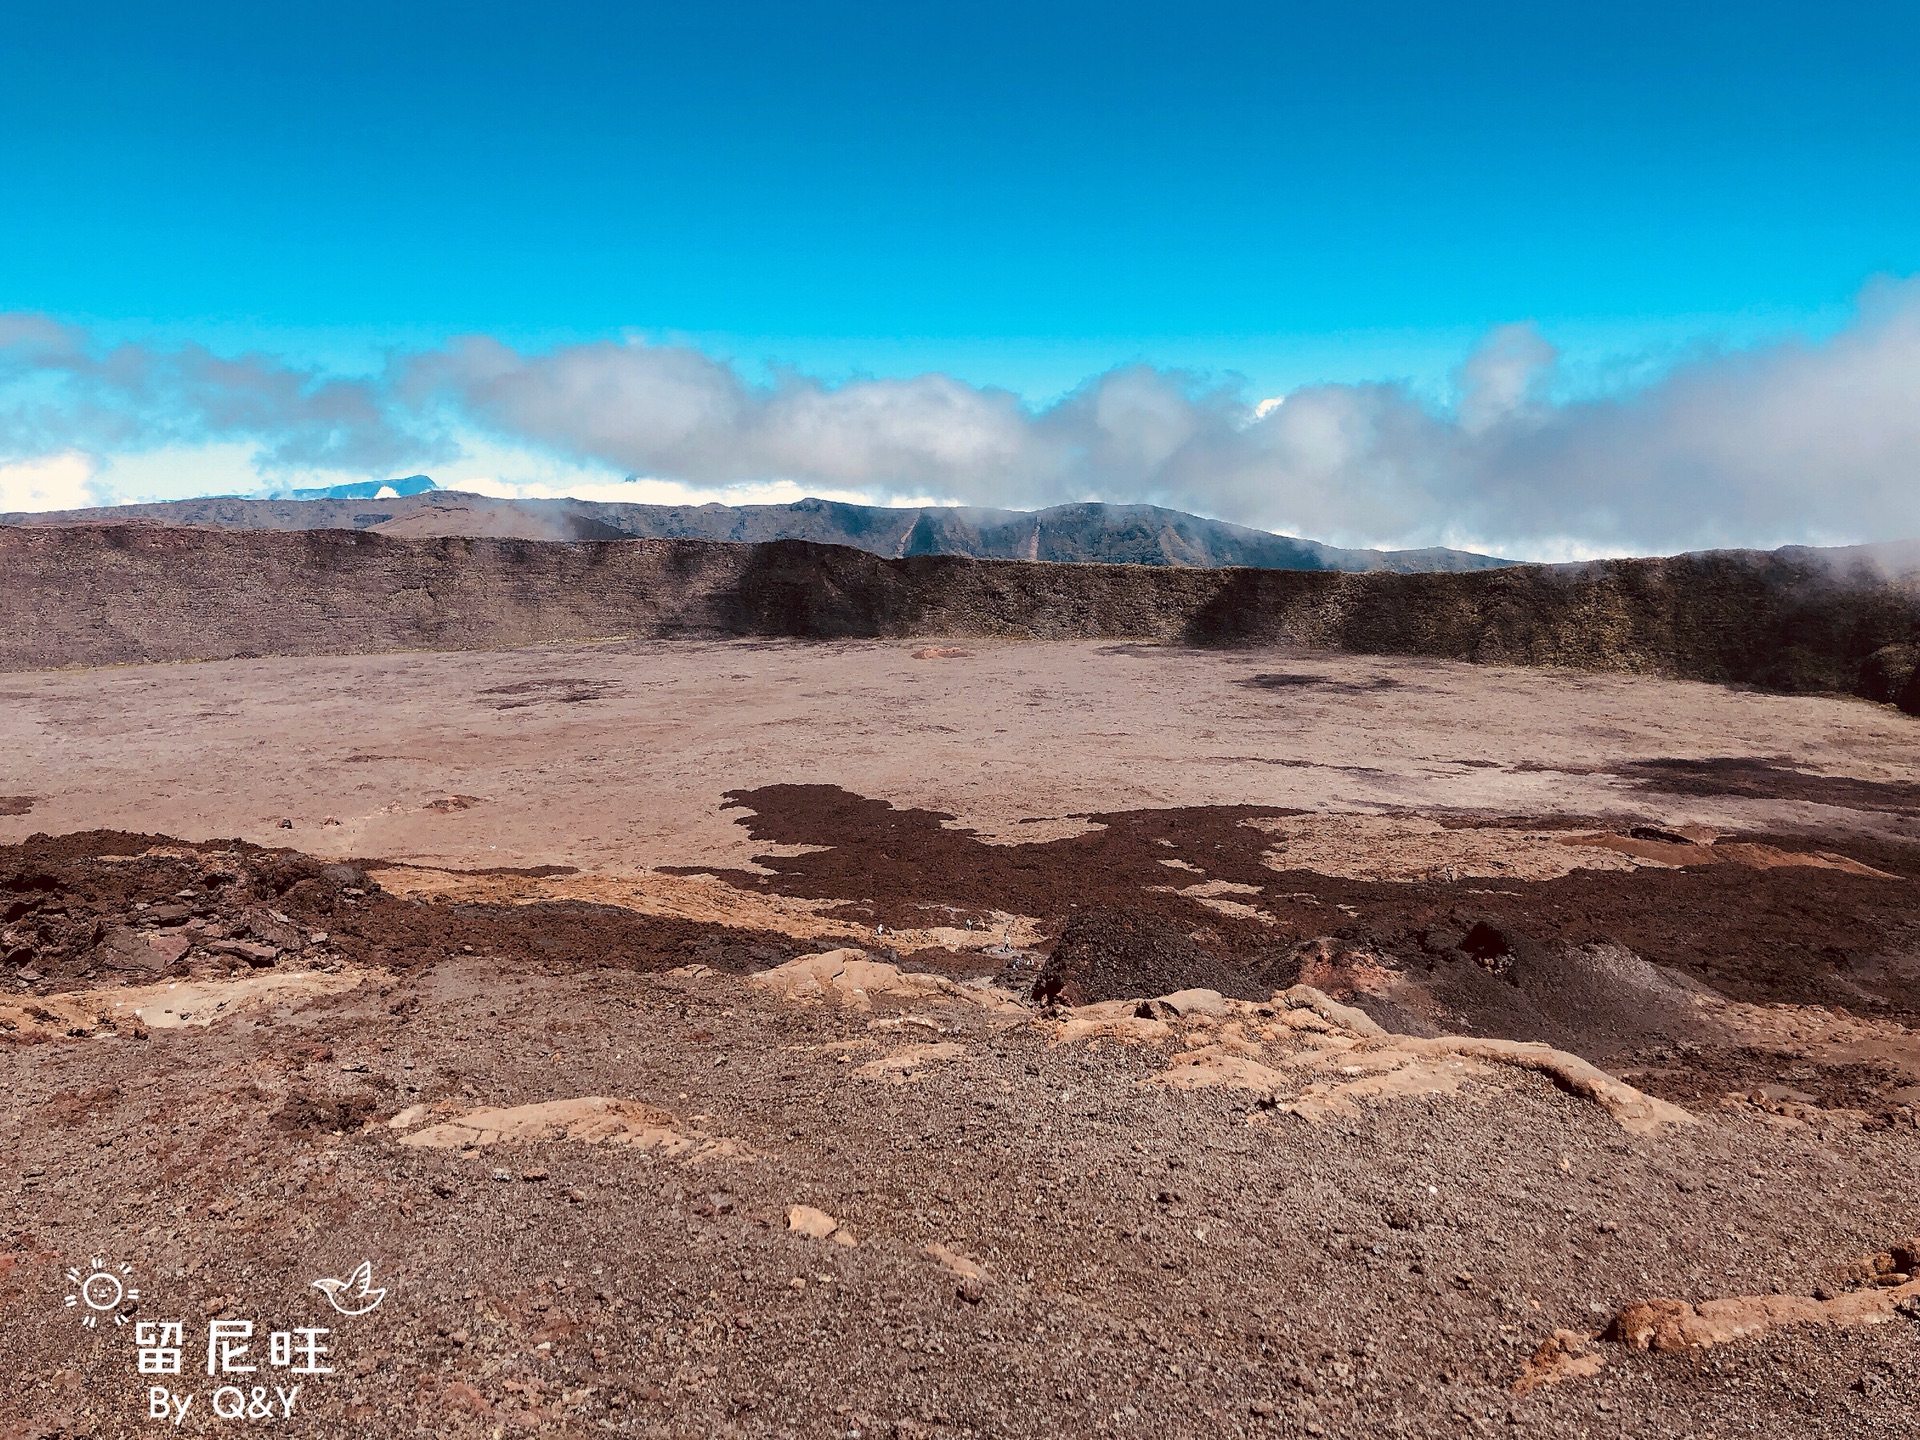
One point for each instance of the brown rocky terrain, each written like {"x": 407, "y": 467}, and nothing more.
{"x": 775, "y": 1037}
{"x": 636, "y": 1173}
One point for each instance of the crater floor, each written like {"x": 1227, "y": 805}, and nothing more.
{"x": 932, "y": 1040}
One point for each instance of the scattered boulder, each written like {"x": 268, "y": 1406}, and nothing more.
{"x": 1893, "y": 1266}
{"x": 254, "y": 953}
{"x": 813, "y": 1224}
{"x": 1563, "y": 1355}
{"x": 970, "y": 1276}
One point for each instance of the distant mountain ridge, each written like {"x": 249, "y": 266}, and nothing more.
{"x": 1074, "y": 534}
{"x": 368, "y": 489}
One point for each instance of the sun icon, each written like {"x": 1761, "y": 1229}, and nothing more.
{"x": 101, "y": 1290}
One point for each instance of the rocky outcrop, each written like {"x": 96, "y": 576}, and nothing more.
{"x": 1887, "y": 672}
{"x": 119, "y": 594}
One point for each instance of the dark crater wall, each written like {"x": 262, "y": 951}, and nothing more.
{"x": 120, "y": 594}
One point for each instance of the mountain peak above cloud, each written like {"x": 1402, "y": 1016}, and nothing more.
{"x": 366, "y": 490}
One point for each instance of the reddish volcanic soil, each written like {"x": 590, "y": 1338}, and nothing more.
{"x": 1023, "y": 1040}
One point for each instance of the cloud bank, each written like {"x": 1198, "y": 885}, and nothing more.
{"x": 1797, "y": 441}
{"x": 59, "y": 391}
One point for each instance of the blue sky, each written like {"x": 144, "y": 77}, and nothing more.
{"x": 1264, "y": 198}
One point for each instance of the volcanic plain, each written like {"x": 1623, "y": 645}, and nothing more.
{"x": 954, "y": 1038}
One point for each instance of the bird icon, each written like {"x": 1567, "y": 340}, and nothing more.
{"x": 354, "y": 1295}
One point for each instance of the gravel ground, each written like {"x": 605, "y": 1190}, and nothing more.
{"x": 1150, "y": 1262}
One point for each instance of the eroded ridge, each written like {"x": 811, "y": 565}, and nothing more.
{"x": 1301, "y": 1052}
{"x": 1881, "y": 1288}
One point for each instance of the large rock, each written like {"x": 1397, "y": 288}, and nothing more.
{"x": 1105, "y": 954}
{"x": 124, "y": 948}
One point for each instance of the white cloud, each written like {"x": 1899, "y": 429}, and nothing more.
{"x": 1792, "y": 441}
{"x": 54, "y": 482}
{"x": 180, "y": 471}
{"x": 505, "y": 471}
{"x": 650, "y": 490}
{"x": 1788, "y": 442}
{"x": 1505, "y": 378}
{"x": 59, "y": 391}
{"x": 670, "y": 410}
